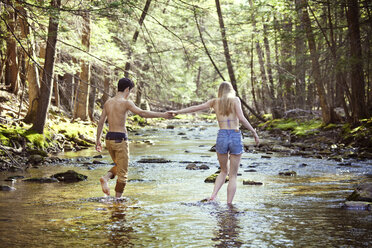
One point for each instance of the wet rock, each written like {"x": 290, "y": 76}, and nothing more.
{"x": 249, "y": 182}
{"x": 187, "y": 151}
{"x": 195, "y": 167}
{"x": 250, "y": 170}
{"x": 35, "y": 159}
{"x": 12, "y": 178}
{"x": 70, "y": 176}
{"x": 265, "y": 156}
{"x": 181, "y": 133}
{"x": 154, "y": 160}
{"x": 98, "y": 156}
{"x": 170, "y": 127}
{"x": 42, "y": 180}
{"x": 212, "y": 178}
{"x": 287, "y": 173}
{"x": 97, "y": 162}
{"x": 191, "y": 167}
{"x": 213, "y": 149}
{"x": 363, "y": 192}
{"x": 303, "y": 165}
{"x": 37, "y": 152}
{"x": 357, "y": 205}
{"x": 140, "y": 180}
{"x": 149, "y": 142}
{"x": 345, "y": 164}
{"x": 203, "y": 167}
{"x": 6, "y": 188}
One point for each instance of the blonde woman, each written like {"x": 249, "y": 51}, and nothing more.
{"x": 229, "y": 145}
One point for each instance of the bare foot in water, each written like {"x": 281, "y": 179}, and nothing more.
{"x": 104, "y": 185}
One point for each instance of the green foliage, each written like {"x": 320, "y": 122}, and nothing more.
{"x": 138, "y": 119}
{"x": 296, "y": 127}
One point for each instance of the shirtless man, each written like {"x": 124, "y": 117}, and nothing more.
{"x": 115, "y": 111}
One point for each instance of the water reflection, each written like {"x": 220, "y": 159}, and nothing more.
{"x": 121, "y": 231}
{"x": 228, "y": 229}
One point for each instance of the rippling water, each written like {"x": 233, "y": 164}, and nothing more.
{"x": 162, "y": 205}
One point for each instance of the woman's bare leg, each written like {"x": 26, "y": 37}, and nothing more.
{"x": 223, "y": 159}
{"x": 233, "y": 172}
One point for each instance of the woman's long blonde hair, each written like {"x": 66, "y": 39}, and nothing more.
{"x": 226, "y": 95}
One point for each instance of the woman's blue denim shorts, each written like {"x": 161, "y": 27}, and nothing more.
{"x": 229, "y": 140}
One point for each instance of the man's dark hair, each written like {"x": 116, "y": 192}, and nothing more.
{"x": 125, "y": 83}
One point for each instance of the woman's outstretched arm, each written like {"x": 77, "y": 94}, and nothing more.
{"x": 244, "y": 121}
{"x": 195, "y": 108}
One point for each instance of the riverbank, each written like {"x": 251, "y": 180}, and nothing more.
{"x": 22, "y": 148}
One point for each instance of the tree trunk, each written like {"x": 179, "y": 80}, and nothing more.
{"x": 56, "y": 92}
{"x": 32, "y": 72}
{"x": 228, "y": 60}
{"x": 358, "y": 103}
{"x": 92, "y": 97}
{"x": 82, "y": 101}
{"x": 300, "y": 64}
{"x": 46, "y": 89}
{"x": 135, "y": 36}
{"x": 205, "y": 46}
{"x": 106, "y": 89}
{"x": 328, "y": 115}
{"x": 11, "y": 64}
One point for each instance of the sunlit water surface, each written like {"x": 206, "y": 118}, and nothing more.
{"x": 162, "y": 205}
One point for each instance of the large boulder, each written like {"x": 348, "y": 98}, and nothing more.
{"x": 70, "y": 176}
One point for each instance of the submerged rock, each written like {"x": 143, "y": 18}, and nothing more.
{"x": 363, "y": 192}
{"x": 42, "y": 180}
{"x": 154, "y": 160}
{"x": 14, "y": 178}
{"x": 35, "y": 159}
{"x": 287, "y": 173}
{"x": 357, "y": 205}
{"x": 249, "y": 182}
{"x": 250, "y": 170}
{"x": 6, "y": 188}
{"x": 70, "y": 176}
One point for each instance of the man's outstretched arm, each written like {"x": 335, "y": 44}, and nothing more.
{"x": 145, "y": 113}
{"x": 101, "y": 122}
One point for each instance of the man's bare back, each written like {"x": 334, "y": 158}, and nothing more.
{"x": 115, "y": 111}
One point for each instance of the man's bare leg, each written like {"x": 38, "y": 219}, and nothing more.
{"x": 104, "y": 180}
{"x": 118, "y": 194}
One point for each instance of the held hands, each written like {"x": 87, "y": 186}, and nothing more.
{"x": 171, "y": 114}
{"x": 167, "y": 115}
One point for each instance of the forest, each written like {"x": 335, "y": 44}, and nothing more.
{"x": 302, "y": 70}
{"x": 282, "y": 57}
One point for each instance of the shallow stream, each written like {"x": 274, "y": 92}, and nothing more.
{"x": 162, "y": 205}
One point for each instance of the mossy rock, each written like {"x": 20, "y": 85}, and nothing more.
{"x": 70, "y": 176}
{"x": 212, "y": 178}
{"x": 38, "y": 152}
